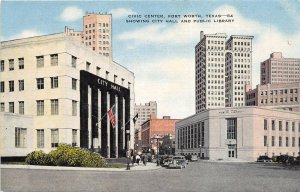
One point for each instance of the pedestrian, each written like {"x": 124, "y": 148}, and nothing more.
{"x": 133, "y": 160}
{"x": 145, "y": 159}
{"x": 138, "y": 158}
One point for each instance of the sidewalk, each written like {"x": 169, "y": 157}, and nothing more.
{"x": 141, "y": 167}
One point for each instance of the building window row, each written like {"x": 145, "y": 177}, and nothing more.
{"x": 288, "y": 125}
{"x": 191, "y": 136}
{"x": 280, "y": 141}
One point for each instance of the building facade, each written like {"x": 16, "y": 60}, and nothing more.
{"x": 239, "y": 133}
{"x": 278, "y": 69}
{"x": 144, "y": 112}
{"x": 222, "y": 67}
{"x": 277, "y": 95}
{"x": 55, "y": 90}
{"x": 156, "y": 128}
{"x": 96, "y": 34}
{"x": 238, "y": 70}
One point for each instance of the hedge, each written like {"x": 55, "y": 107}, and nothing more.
{"x": 66, "y": 155}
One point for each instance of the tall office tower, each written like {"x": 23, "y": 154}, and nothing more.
{"x": 144, "y": 112}
{"x": 238, "y": 69}
{"x": 278, "y": 69}
{"x": 97, "y": 33}
{"x": 210, "y": 71}
{"x": 222, "y": 69}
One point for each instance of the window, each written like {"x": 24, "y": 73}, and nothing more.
{"x": 40, "y": 83}
{"x": 20, "y": 137}
{"x": 280, "y": 125}
{"x": 287, "y": 126}
{"x": 11, "y": 64}
{"x": 88, "y": 65}
{"x": 54, "y": 82}
{"x": 40, "y": 61}
{"x": 40, "y": 138}
{"x": 74, "y": 61}
{"x": 21, "y": 63}
{"x": 54, "y": 106}
{"x": 74, "y": 137}
{"x": 11, "y": 107}
{"x": 21, "y": 107}
{"x": 115, "y": 78}
{"x": 280, "y": 141}
{"x": 54, "y": 138}
{"x": 74, "y": 108}
{"x": 11, "y": 86}
{"x": 231, "y": 128}
{"x": 273, "y": 141}
{"x": 2, "y": 68}
{"x": 293, "y": 141}
{"x": 293, "y": 126}
{"x": 54, "y": 59}
{"x": 287, "y": 141}
{"x": 273, "y": 125}
{"x": 265, "y": 141}
{"x": 2, "y": 107}
{"x": 40, "y": 107}
{"x": 2, "y": 87}
{"x": 74, "y": 83}
{"x": 98, "y": 71}
{"x": 107, "y": 73}
{"x": 21, "y": 85}
{"x": 202, "y": 134}
{"x": 265, "y": 124}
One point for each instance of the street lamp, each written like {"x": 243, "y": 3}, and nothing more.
{"x": 157, "y": 145}
{"x": 200, "y": 146}
{"x": 128, "y": 154}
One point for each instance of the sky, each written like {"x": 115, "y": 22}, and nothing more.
{"x": 161, "y": 55}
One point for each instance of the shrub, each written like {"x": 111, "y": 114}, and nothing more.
{"x": 36, "y": 158}
{"x": 66, "y": 155}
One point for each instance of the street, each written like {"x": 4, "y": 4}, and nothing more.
{"x": 198, "y": 176}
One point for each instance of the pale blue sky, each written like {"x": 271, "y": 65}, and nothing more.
{"x": 162, "y": 55}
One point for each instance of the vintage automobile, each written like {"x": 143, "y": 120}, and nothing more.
{"x": 178, "y": 163}
{"x": 194, "y": 158}
{"x": 264, "y": 159}
{"x": 167, "y": 161}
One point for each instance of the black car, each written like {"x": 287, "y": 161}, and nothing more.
{"x": 264, "y": 158}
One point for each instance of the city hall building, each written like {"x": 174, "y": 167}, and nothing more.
{"x": 239, "y": 133}
{"x": 54, "y": 89}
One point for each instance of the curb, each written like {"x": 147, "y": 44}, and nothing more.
{"x": 61, "y": 168}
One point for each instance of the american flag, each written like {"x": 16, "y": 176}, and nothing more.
{"x": 111, "y": 114}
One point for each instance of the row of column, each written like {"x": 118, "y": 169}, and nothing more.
{"x": 102, "y": 136}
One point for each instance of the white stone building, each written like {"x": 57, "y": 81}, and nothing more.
{"x": 144, "y": 112}
{"x": 53, "y": 89}
{"x": 239, "y": 133}
{"x": 222, "y": 68}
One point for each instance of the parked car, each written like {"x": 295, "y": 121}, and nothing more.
{"x": 178, "y": 163}
{"x": 194, "y": 158}
{"x": 264, "y": 158}
{"x": 167, "y": 161}
{"x": 182, "y": 158}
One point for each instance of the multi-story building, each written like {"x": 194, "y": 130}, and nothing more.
{"x": 55, "y": 90}
{"x": 96, "y": 34}
{"x": 278, "y": 69}
{"x": 277, "y": 95}
{"x": 221, "y": 69}
{"x": 239, "y": 132}
{"x": 144, "y": 112}
{"x": 210, "y": 71}
{"x": 238, "y": 69}
{"x": 156, "y": 128}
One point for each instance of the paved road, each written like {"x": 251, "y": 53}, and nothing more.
{"x": 198, "y": 176}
